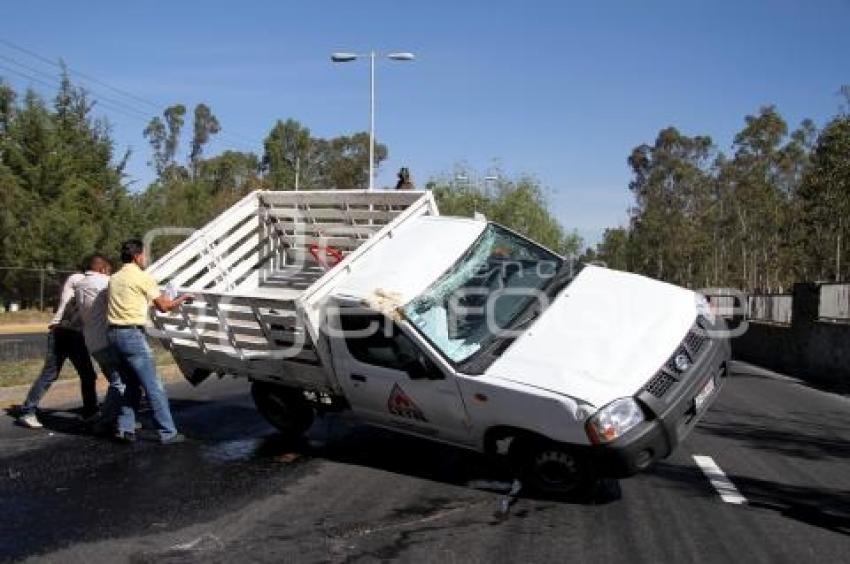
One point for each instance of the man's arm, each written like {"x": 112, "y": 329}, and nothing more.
{"x": 163, "y": 303}
{"x": 161, "y": 300}
{"x": 65, "y": 297}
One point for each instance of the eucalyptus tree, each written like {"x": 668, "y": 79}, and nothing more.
{"x": 205, "y": 126}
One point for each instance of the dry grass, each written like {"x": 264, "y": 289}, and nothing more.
{"x": 15, "y": 373}
{"x": 25, "y": 316}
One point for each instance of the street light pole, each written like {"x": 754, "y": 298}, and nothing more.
{"x": 371, "y": 121}
{"x": 347, "y": 58}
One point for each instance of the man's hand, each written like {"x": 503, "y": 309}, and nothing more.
{"x": 164, "y": 304}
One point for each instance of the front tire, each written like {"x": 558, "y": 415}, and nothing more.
{"x": 285, "y": 408}
{"x": 553, "y": 469}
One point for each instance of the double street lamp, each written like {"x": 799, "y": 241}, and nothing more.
{"x": 349, "y": 57}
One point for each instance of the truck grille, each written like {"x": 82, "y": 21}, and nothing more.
{"x": 694, "y": 342}
{"x": 670, "y": 374}
{"x": 660, "y": 383}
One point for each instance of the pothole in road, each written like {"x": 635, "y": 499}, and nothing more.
{"x": 344, "y": 541}
{"x": 364, "y": 529}
{"x": 267, "y": 448}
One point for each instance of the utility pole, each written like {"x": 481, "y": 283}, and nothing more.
{"x": 838, "y": 253}
{"x": 297, "y": 171}
{"x": 41, "y": 289}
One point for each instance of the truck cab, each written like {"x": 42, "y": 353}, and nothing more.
{"x": 482, "y": 337}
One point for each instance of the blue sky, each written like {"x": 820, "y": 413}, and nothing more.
{"x": 561, "y": 90}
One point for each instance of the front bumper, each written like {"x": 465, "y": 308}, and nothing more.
{"x": 669, "y": 419}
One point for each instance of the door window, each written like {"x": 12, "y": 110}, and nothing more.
{"x": 373, "y": 339}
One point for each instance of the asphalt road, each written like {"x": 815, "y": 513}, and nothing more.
{"x": 354, "y": 494}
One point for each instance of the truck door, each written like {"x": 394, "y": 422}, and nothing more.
{"x": 390, "y": 381}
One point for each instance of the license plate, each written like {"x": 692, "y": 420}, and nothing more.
{"x": 704, "y": 394}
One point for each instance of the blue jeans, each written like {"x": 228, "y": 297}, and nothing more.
{"x": 111, "y": 367}
{"x": 130, "y": 346}
{"x": 64, "y": 344}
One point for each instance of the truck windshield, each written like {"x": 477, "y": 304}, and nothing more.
{"x": 479, "y": 299}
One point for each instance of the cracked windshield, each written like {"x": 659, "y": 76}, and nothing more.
{"x": 497, "y": 279}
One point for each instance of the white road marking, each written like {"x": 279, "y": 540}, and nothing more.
{"x": 724, "y": 486}
{"x": 203, "y": 543}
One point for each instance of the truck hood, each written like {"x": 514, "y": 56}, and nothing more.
{"x": 603, "y": 337}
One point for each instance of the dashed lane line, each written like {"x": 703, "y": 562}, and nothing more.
{"x": 724, "y": 486}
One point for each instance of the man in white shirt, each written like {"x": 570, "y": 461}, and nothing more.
{"x": 64, "y": 341}
{"x": 92, "y": 296}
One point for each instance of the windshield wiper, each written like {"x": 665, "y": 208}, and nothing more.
{"x": 526, "y": 316}
{"x": 524, "y": 319}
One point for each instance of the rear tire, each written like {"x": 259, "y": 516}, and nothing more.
{"x": 285, "y": 408}
{"x": 552, "y": 469}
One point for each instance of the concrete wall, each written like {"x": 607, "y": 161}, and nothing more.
{"x": 810, "y": 349}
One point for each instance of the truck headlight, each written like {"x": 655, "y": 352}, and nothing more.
{"x": 613, "y": 420}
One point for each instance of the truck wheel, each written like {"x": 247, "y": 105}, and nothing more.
{"x": 285, "y": 408}
{"x": 551, "y": 469}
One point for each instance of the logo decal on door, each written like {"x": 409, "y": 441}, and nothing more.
{"x": 401, "y": 405}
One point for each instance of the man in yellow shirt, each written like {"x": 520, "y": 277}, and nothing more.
{"x": 131, "y": 292}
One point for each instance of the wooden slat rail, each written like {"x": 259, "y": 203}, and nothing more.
{"x": 251, "y": 268}
{"x": 212, "y": 326}
{"x": 326, "y": 209}
{"x": 216, "y": 257}
{"x": 340, "y": 197}
{"x": 227, "y": 262}
{"x": 240, "y": 312}
{"x": 319, "y": 229}
{"x": 331, "y": 215}
{"x": 245, "y": 350}
{"x": 241, "y": 325}
{"x": 179, "y": 257}
{"x": 239, "y": 341}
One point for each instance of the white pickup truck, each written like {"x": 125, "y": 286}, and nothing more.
{"x": 454, "y": 329}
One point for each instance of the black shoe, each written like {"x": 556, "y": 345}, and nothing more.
{"x": 125, "y": 437}
{"x": 174, "y": 439}
{"x": 99, "y": 429}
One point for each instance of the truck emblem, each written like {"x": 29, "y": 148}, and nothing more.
{"x": 682, "y": 362}
{"x": 401, "y": 405}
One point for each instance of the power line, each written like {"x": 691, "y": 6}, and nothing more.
{"x": 115, "y": 105}
{"x": 78, "y": 73}
{"x": 52, "y": 85}
{"x": 119, "y": 91}
{"x": 109, "y": 105}
{"x": 225, "y": 135}
{"x": 50, "y": 76}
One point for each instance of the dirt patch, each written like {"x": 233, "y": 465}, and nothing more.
{"x": 18, "y": 328}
